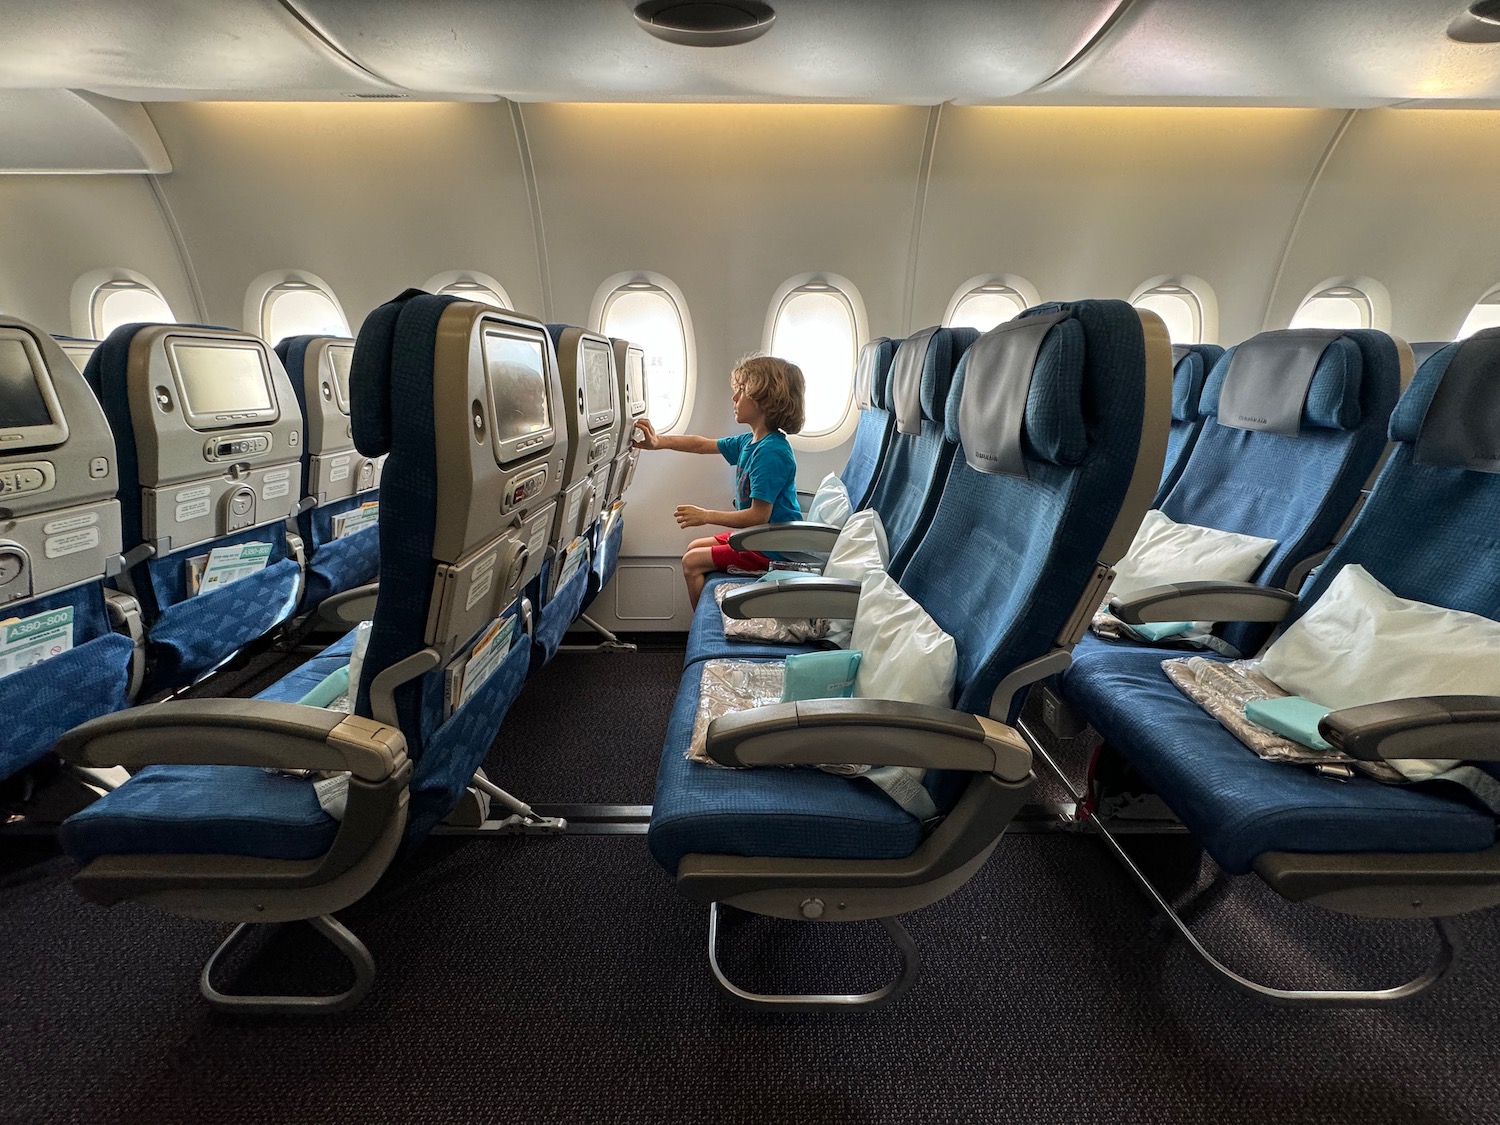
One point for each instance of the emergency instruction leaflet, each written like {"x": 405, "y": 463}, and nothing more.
{"x": 489, "y": 650}
{"x": 30, "y": 640}
{"x": 224, "y": 565}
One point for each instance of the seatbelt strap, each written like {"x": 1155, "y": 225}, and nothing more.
{"x": 903, "y": 784}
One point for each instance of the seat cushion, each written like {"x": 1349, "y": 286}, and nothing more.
{"x": 706, "y": 640}
{"x": 203, "y": 810}
{"x": 308, "y": 675}
{"x": 1238, "y": 805}
{"x": 802, "y": 813}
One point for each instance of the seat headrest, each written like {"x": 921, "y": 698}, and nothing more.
{"x": 556, "y": 331}
{"x": 922, "y": 374}
{"x": 872, "y": 372}
{"x": 1018, "y": 394}
{"x": 370, "y": 376}
{"x": 1451, "y": 411}
{"x": 1283, "y": 381}
{"x": 1191, "y": 364}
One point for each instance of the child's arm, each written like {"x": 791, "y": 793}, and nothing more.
{"x": 689, "y": 515}
{"x": 646, "y": 437}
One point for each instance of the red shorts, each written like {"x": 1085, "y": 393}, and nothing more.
{"x": 725, "y": 557}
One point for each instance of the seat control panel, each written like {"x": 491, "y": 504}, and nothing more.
{"x": 19, "y": 478}
{"x": 236, "y": 445}
{"x": 523, "y": 488}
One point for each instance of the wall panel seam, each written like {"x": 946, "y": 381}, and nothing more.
{"x": 534, "y": 199}
{"x": 174, "y": 231}
{"x": 918, "y": 213}
{"x": 1291, "y": 234}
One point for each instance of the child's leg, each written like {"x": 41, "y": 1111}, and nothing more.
{"x": 697, "y": 564}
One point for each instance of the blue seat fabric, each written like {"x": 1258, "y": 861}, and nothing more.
{"x": 557, "y": 612}
{"x": 766, "y": 812}
{"x": 606, "y": 558}
{"x": 999, "y": 568}
{"x": 1239, "y": 805}
{"x": 1423, "y": 533}
{"x": 872, "y": 433}
{"x": 1188, "y": 376}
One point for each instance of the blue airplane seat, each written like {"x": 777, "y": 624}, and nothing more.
{"x": 338, "y": 514}
{"x": 213, "y": 826}
{"x": 1351, "y": 844}
{"x": 1048, "y": 411}
{"x": 1191, "y": 364}
{"x": 872, "y": 434}
{"x": 905, "y": 492}
{"x": 62, "y": 661}
{"x": 207, "y": 439}
{"x": 1299, "y": 484}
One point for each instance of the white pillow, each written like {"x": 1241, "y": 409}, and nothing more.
{"x": 831, "y": 504}
{"x": 906, "y": 655}
{"x": 1360, "y": 643}
{"x": 860, "y": 548}
{"x": 1166, "y": 551}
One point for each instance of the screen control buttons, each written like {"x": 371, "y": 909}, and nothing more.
{"x": 17, "y": 480}
{"x": 243, "y": 445}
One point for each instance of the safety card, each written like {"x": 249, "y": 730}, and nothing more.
{"x": 224, "y": 565}
{"x": 489, "y": 650}
{"x": 356, "y": 519}
{"x": 25, "y": 641}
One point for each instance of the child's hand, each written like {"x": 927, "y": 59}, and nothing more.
{"x": 687, "y": 515}
{"x": 644, "y": 435}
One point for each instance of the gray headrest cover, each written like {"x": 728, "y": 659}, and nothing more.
{"x": 1462, "y": 425}
{"x": 1179, "y": 353}
{"x": 864, "y": 373}
{"x": 906, "y": 381}
{"x": 1266, "y": 385}
{"x": 997, "y": 381}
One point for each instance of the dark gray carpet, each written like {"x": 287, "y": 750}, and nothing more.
{"x": 563, "y": 980}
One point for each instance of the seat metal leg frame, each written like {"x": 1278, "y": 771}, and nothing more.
{"x": 609, "y": 643}
{"x": 341, "y": 939}
{"x": 910, "y": 965}
{"x": 1440, "y": 966}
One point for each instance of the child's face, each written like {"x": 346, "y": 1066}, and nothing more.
{"x": 746, "y": 410}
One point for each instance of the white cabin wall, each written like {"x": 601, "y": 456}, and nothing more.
{"x": 373, "y": 198}
{"x": 55, "y": 229}
{"x": 1093, "y": 201}
{"x": 1408, "y": 199}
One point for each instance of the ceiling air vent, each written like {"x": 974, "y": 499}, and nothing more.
{"x": 705, "y": 23}
{"x": 1480, "y": 24}
{"x": 378, "y": 97}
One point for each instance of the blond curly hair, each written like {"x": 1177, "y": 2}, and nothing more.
{"x": 777, "y": 387}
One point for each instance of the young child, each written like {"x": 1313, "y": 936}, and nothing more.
{"x": 768, "y": 395}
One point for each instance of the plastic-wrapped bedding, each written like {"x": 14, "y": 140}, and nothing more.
{"x": 767, "y": 628}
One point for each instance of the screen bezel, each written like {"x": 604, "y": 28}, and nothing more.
{"x": 343, "y": 401}
{"x": 597, "y": 419}
{"x": 636, "y": 355}
{"x": 210, "y": 422}
{"x": 15, "y": 439}
{"x": 538, "y": 442}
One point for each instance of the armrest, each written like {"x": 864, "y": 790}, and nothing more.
{"x": 1203, "y": 601}
{"x": 795, "y": 598}
{"x": 799, "y": 535}
{"x": 1438, "y": 726}
{"x": 868, "y": 732}
{"x": 350, "y": 607}
{"x": 238, "y": 732}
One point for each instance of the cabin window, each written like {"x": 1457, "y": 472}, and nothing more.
{"x": 1484, "y": 314}
{"x": 127, "y": 300}
{"x": 649, "y": 310}
{"x": 814, "y": 326}
{"x": 1336, "y": 306}
{"x": 470, "y": 286}
{"x": 298, "y": 309}
{"x": 984, "y": 306}
{"x": 1179, "y": 308}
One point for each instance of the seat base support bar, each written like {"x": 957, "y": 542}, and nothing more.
{"x": 1440, "y": 966}
{"x": 338, "y": 936}
{"x": 910, "y": 965}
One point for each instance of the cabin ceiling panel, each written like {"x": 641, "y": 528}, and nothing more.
{"x": 1349, "y": 53}
{"x": 1407, "y": 198}
{"x": 884, "y": 51}
{"x": 49, "y": 131}
{"x": 371, "y": 198}
{"x": 146, "y": 50}
{"x": 1090, "y": 202}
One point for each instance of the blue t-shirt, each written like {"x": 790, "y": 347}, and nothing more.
{"x": 764, "y": 470}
